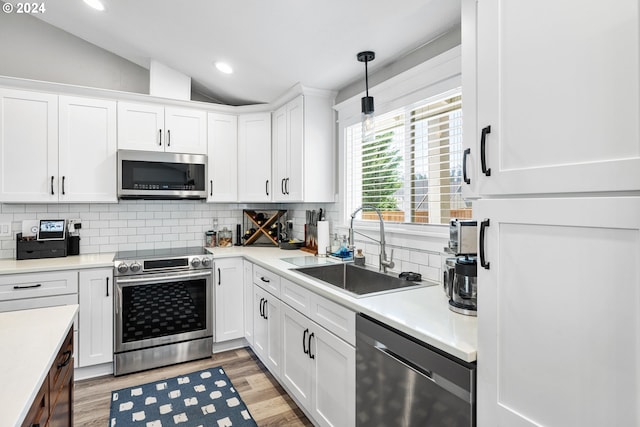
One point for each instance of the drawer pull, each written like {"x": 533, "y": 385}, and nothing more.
{"x": 265, "y": 280}
{"x": 66, "y": 360}
{"x": 27, "y": 287}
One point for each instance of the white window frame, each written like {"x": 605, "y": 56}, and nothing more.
{"x": 431, "y": 78}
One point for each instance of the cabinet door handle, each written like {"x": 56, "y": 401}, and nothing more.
{"x": 168, "y": 137}
{"x": 107, "y": 286}
{"x": 286, "y": 186}
{"x": 159, "y": 136}
{"x": 218, "y": 277}
{"x": 282, "y": 190}
{"x": 52, "y": 193}
{"x": 264, "y": 310}
{"x": 304, "y": 341}
{"x": 63, "y": 178}
{"x": 483, "y": 154}
{"x": 211, "y": 191}
{"x": 266, "y": 187}
{"x": 483, "y": 226}
{"x": 260, "y": 308}
{"x": 311, "y": 355}
{"x": 464, "y": 166}
{"x": 66, "y": 360}
{"x": 27, "y": 287}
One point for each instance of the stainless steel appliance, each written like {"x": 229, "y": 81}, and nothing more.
{"x": 163, "y": 308}
{"x": 403, "y": 382}
{"x": 460, "y": 273}
{"x": 159, "y": 175}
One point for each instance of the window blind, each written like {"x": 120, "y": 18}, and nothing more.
{"x": 410, "y": 165}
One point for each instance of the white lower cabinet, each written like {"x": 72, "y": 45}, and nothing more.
{"x": 95, "y": 317}
{"x": 558, "y": 322}
{"x": 266, "y": 329}
{"x": 318, "y": 368}
{"x": 229, "y": 299}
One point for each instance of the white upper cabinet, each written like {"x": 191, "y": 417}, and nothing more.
{"x": 56, "y": 149}
{"x": 254, "y": 157}
{"x": 28, "y": 146}
{"x": 558, "y": 96}
{"x": 152, "y": 127}
{"x": 303, "y": 149}
{"x": 87, "y": 150}
{"x": 222, "y": 157}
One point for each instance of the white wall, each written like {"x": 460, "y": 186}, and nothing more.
{"x": 34, "y": 49}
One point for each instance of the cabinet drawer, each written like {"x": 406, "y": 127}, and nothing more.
{"x": 295, "y": 296}
{"x": 335, "y": 318}
{"x": 39, "y": 411}
{"x": 62, "y": 364}
{"x": 18, "y": 286}
{"x": 266, "y": 280}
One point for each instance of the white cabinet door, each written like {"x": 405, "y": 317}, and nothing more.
{"x": 558, "y": 325}
{"x": 95, "y": 317}
{"x": 288, "y": 145}
{"x": 254, "y": 157}
{"x": 266, "y": 329}
{"x": 87, "y": 150}
{"x": 297, "y": 369}
{"x": 28, "y": 146}
{"x": 186, "y": 130}
{"x": 141, "y": 127}
{"x": 557, "y": 105}
{"x": 229, "y": 299}
{"x": 223, "y": 157}
{"x": 248, "y": 301}
{"x": 334, "y": 379}
{"x": 280, "y": 158}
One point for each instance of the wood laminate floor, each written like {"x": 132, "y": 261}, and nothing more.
{"x": 266, "y": 399}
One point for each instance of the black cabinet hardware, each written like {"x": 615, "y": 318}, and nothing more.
{"x": 168, "y": 138}
{"x": 107, "y": 286}
{"x": 52, "y": 193}
{"x": 282, "y": 190}
{"x": 483, "y": 226}
{"x": 27, "y": 286}
{"x": 261, "y": 313}
{"x": 68, "y": 353}
{"x": 286, "y": 186}
{"x": 266, "y": 187}
{"x": 266, "y": 314}
{"x": 483, "y": 154}
{"x": 304, "y": 341}
{"x": 160, "y": 138}
{"x": 211, "y": 191}
{"x": 63, "y": 177}
{"x": 311, "y": 355}
{"x": 464, "y": 166}
{"x": 218, "y": 277}
{"x": 265, "y": 280}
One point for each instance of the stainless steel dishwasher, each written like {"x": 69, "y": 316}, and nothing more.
{"x": 403, "y": 382}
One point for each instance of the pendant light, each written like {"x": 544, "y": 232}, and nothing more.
{"x": 367, "y": 101}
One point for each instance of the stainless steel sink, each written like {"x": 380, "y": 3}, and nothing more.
{"x": 358, "y": 281}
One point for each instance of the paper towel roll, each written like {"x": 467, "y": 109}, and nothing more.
{"x": 323, "y": 237}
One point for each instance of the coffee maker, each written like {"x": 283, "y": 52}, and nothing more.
{"x": 460, "y": 272}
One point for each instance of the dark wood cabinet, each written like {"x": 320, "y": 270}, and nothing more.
{"x": 53, "y": 405}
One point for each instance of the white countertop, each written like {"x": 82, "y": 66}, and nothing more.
{"x": 72, "y": 262}
{"x": 422, "y": 313}
{"x": 30, "y": 341}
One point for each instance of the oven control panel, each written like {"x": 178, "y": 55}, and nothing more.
{"x": 131, "y": 267}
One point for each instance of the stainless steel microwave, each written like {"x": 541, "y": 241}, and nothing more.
{"x": 158, "y": 175}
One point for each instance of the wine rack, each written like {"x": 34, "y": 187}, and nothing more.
{"x": 263, "y": 227}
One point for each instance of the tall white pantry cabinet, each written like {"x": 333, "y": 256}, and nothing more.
{"x": 552, "y": 107}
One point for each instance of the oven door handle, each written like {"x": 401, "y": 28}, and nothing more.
{"x": 163, "y": 278}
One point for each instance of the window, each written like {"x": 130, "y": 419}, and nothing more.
{"x": 410, "y": 165}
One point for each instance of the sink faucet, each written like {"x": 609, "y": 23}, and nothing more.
{"x": 384, "y": 263}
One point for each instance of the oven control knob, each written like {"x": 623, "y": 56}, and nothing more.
{"x": 122, "y": 268}
{"x": 135, "y": 267}
{"x": 195, "y": 262}
{"x": 206, "y": 262}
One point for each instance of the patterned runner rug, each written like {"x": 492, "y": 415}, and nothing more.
{"x": 204, "y": 398}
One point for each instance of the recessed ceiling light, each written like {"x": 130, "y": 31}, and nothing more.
{"x": 96, "y": 4}
{"x": 223, "y": 67}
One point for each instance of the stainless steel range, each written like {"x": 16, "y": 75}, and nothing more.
{"x": 163, "y": 308}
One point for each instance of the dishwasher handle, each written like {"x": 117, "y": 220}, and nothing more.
{"x": 438, "y": 380}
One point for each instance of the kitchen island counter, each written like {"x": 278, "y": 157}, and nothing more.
{"x": 30, "y": 341}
